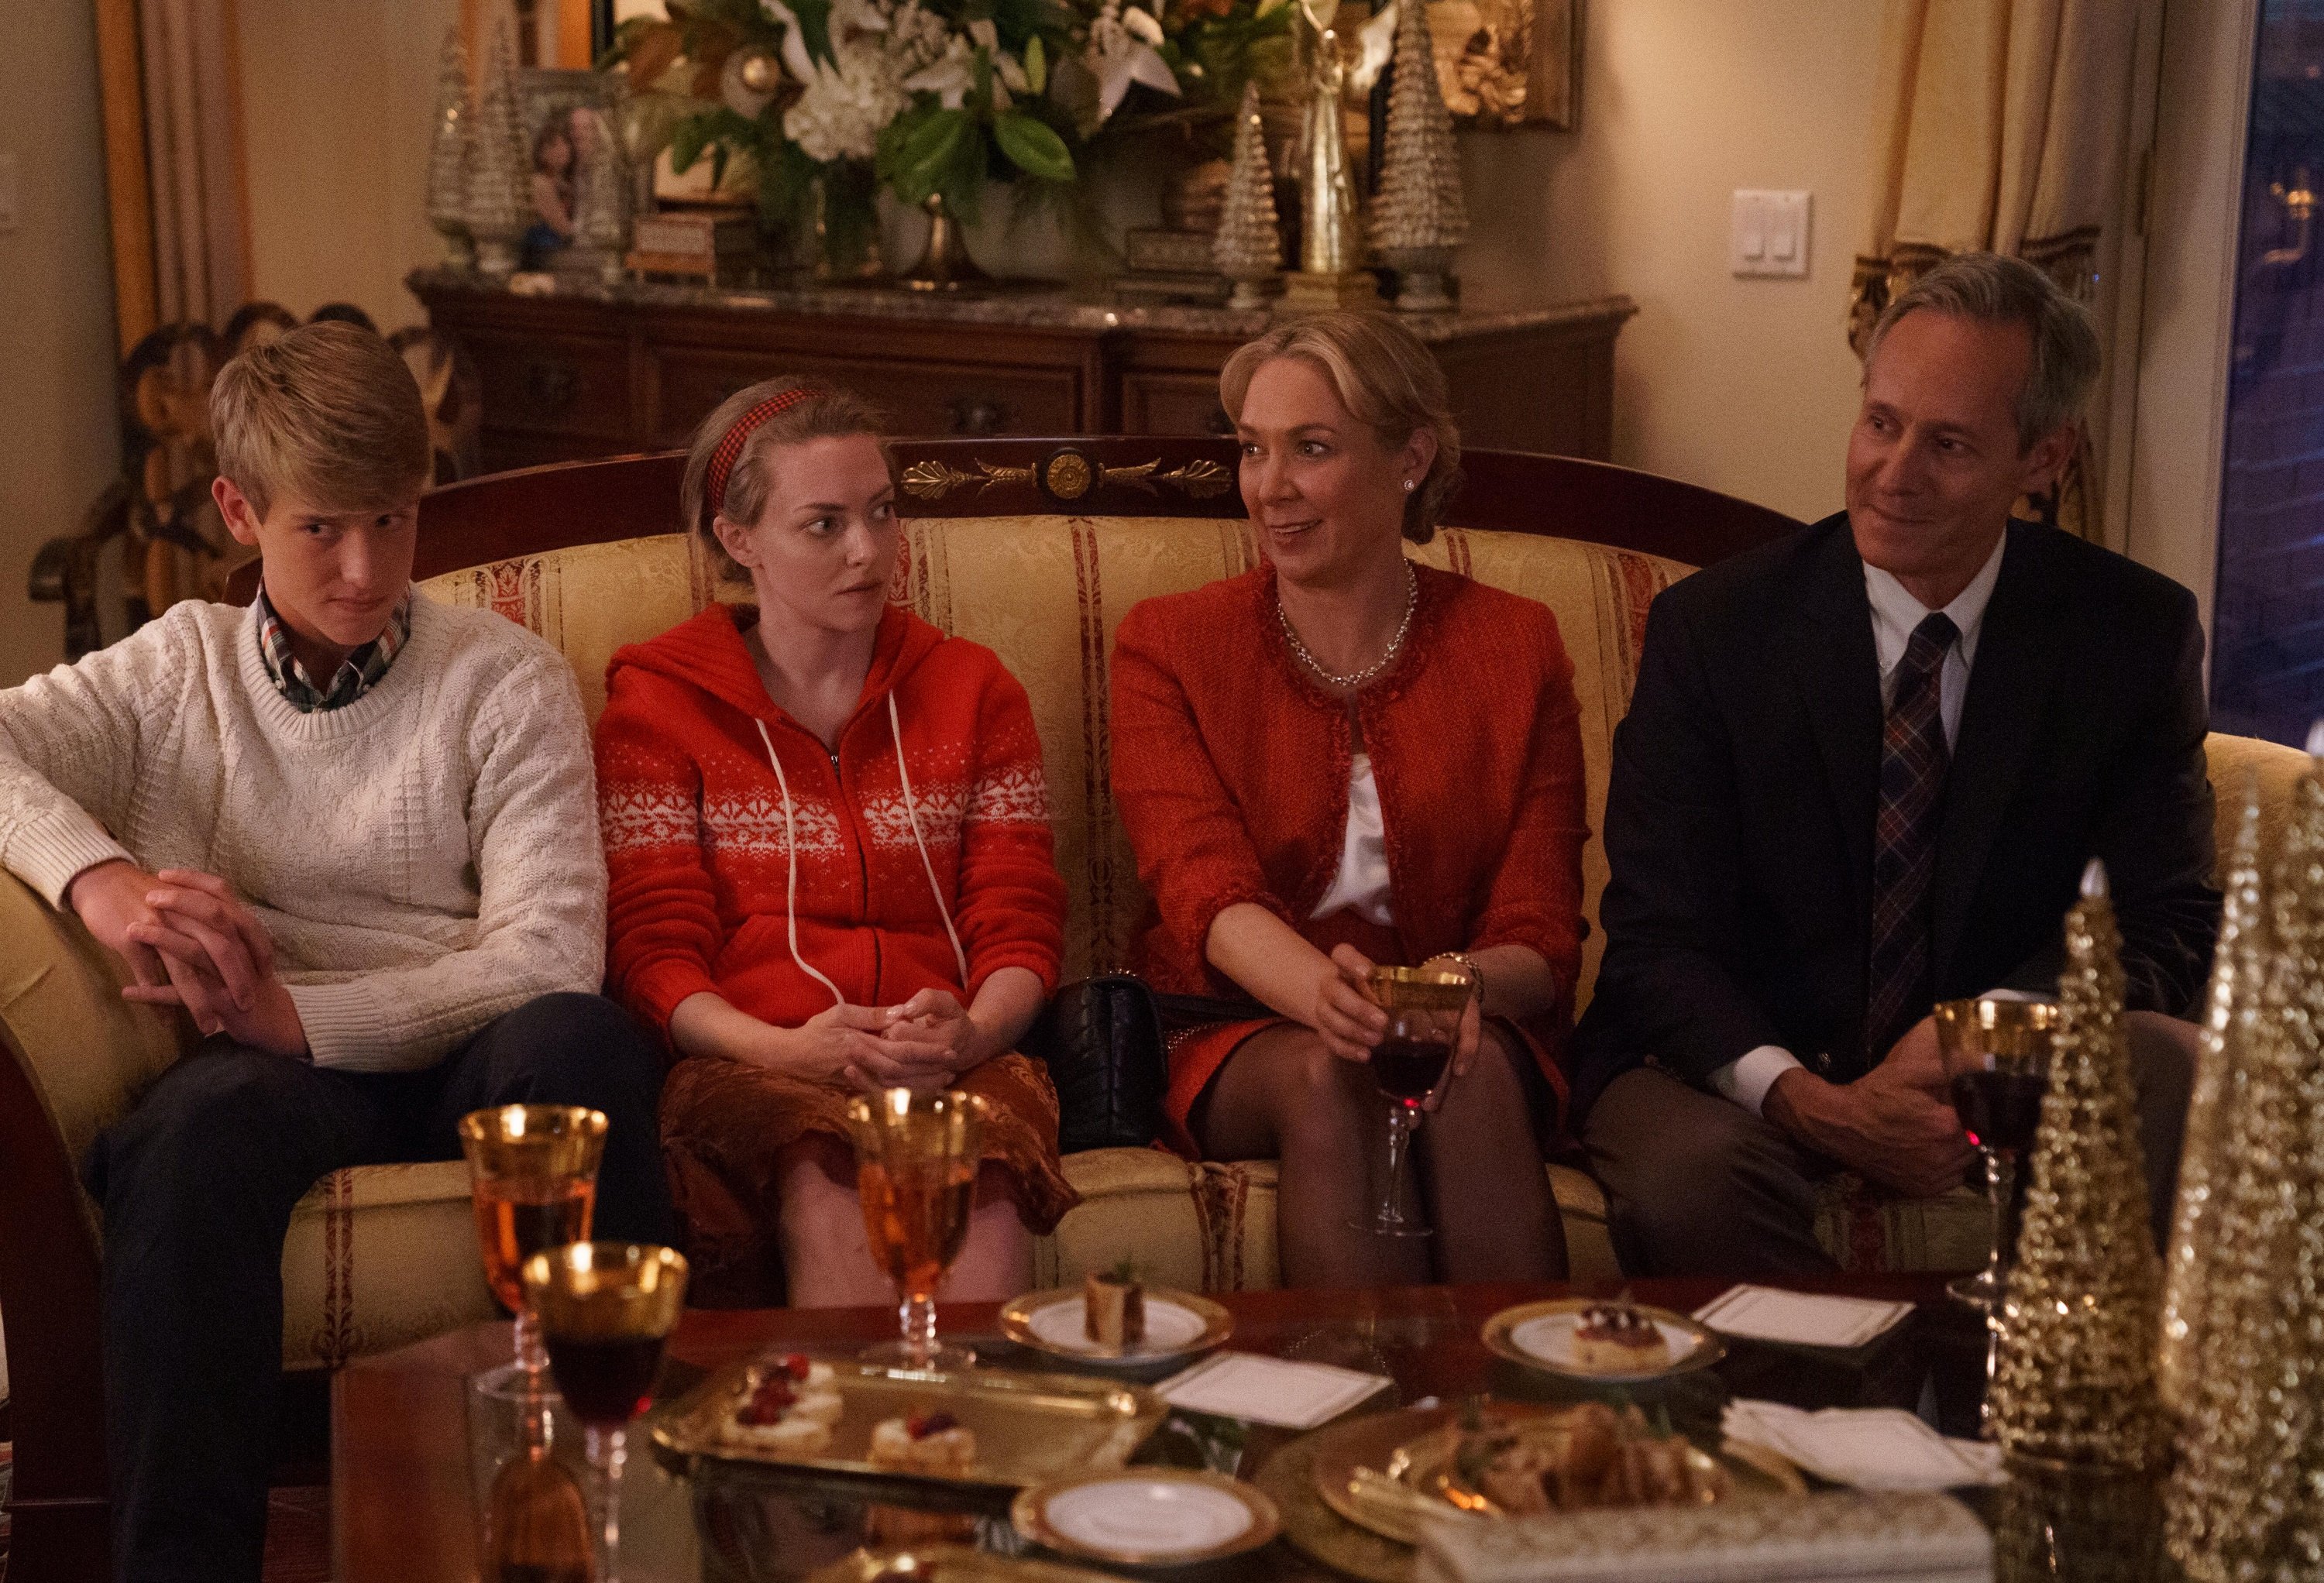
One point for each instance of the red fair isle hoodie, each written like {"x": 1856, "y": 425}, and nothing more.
{"x": 704, "y": 891}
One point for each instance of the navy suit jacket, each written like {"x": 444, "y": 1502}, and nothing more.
{"x": 1745, "y": 784}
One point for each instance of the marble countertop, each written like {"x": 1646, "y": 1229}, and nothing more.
{"x": 1029, "y": 305}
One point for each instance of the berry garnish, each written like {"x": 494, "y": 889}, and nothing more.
{"x": 921, "y": 1425}
{"x": 795, "y": 1364}
{"x": 768, "y": 1404}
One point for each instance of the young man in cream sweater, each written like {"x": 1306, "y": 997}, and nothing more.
{"x": 352, "y": 834}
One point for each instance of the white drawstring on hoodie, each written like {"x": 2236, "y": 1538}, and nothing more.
{"x": 912, "y": 815}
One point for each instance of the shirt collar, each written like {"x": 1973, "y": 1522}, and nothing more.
{"x": 1896, "y": 613}
{"x": 358, "y": 674}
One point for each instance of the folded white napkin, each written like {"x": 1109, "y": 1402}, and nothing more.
{"x": 1870, "y": 1447}
{"x": 1801, "y": 1319}
{"x": 1828, "y": 1538}
{"x": 1269, "y": 1390}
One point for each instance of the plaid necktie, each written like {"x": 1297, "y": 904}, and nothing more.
{"x": 1913, "y": 762}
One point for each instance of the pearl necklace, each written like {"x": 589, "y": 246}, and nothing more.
{"x": 1355, "y": 679}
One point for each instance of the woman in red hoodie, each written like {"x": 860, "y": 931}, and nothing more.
{"x": 827, "y": 836}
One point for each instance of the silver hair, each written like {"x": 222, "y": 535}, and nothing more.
{"x": 1993, "y": 287}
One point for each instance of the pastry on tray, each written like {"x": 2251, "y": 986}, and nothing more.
{"x": 933, "y": 1444}
{"x": 1113, "y": 1308}
{"x": 1588, "y": 1457}
{"x": 788, "y": 1409}
{"x": 1613, "y": 1338}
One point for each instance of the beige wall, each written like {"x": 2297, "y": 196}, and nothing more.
{"x": 62, "y": 441}
{"x": 1745, "y": 386}
{"x": 336, "y": 100}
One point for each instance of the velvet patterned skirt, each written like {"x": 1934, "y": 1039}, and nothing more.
{"x": 725, "y": 1126}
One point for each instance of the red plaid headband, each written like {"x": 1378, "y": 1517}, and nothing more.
{"x": 730, "y": 449}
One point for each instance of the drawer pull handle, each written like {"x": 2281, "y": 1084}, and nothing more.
{"x": 979, "y": 415}
{"x": 551, "y": 387}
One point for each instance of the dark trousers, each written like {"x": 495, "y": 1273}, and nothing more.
{"x": 198, "y": 1183}
{"x": 1697, "y": 1185}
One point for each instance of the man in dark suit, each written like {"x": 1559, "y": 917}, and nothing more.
{"x": 1862, "y": 772}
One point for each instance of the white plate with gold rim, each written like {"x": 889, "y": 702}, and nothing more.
{"x": 1146, "y": 1517}
{"x": 1178, "y": 1325}
{"x": 1540, "y": 1335}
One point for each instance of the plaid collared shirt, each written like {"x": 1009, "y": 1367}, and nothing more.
{"x": 357, "y": 674}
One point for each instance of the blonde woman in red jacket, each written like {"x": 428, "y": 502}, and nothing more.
{"x": 827, "y": 837}
{"x": 1337, "y": 760}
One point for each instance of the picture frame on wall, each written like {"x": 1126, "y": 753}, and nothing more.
{"x": 1509, "y": 63}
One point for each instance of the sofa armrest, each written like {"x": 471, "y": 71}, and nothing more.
{"x": 85, "y": 1053}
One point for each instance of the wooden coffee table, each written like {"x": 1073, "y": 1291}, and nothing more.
{"x": 403, "y": 1510}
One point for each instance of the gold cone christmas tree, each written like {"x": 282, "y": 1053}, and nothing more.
{"x": 2245, "y": 1501}
{"x": 2074, "y": 1377}
{"x": 1248, "y": 248}
{"x": 2231, "y": 1011}
{"x": 1419, "y": 217}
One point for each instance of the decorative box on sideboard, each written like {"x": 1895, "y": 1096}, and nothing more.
{"x": 592, "y": 370}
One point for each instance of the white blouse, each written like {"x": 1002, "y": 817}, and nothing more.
{"x": 1362, "y": 884}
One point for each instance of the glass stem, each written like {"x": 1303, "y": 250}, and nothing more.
{"x": 608, "y": 1449}
{"x": 2000, "y": 1172}
{"x": 531, "y": 1355}
{"x": 919, "y": 1313}
{"x": 1399, "y": 1144}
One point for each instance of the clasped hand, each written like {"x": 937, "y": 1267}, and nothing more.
{"x": 1352, "y": 1023}
{"x": 189, "y": 941}
{"x": 1894, "y": 1125}
{"x": 922, "y": 1044}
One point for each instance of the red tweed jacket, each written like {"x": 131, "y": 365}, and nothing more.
{"x": 1231, "y": 767}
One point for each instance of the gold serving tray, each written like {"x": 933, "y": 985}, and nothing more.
{"x": 950, "y": 1564}
{"x": 1386, "y": 1473}
{"x": 1029, "y": 1428}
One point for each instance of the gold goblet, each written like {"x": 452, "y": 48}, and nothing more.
{"x": 915, "y": 1159}
{"x": 533, "y": 1170}
{"x": 605, "y": 1309}
{"x": 1997, "y": 1054}
{"x": 1424, "y": 1006}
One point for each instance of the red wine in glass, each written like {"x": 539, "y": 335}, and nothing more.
{"x": 1409, "y": 1068}
{"x": 1999, "y": 1109}
{"x": 607, "y": 1381}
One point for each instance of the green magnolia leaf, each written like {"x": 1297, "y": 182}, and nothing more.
{"x": 927, "y": 162}
{"x": 687, "y": 143}
{"x": 718, "y": 156}
{"x": 815, "y": 27}
{"x": 1036, "y": 65}
{"x": 1033, "y": 147}
{"x": 980, "y": 81}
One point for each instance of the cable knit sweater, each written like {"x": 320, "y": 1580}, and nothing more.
{"x": 424, "y": 857}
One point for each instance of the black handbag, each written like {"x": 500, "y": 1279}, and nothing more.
{"x": 1103, "y": 1040}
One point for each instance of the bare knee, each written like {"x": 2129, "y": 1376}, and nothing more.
{"x": 827, "y": 1256}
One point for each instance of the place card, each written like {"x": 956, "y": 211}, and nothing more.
{"x": 1269, "y": 1390}
{"x": 1799, "y": 1318}
{"x": 1868, "y": 1448}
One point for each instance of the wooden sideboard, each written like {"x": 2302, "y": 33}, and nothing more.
{"x": 591, "y": 370}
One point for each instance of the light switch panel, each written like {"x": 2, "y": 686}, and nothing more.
{"x": 1770, "y": 235}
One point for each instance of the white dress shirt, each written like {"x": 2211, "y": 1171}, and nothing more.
{"x": 1895, "y": 616}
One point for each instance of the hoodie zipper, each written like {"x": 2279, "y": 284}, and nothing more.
{"x": 862, "y": 872}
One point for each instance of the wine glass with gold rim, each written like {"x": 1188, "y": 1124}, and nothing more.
{"x": 606, "y": 1308}
{"x": 916, "y": 1160}
{"x": 1424, "y": 1006}
{"x": 532, "y": 1170}
{"x": 1996, "y": 1056}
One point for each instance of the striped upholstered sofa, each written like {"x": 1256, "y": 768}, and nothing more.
{"x": 1035, "y": 548}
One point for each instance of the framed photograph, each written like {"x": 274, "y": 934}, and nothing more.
{"x": 1509, "y": 62}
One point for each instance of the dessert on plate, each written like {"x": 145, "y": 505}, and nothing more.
{"x": 1113, "y": 1308}
{"x": 935, "y": 1444}
{"x": 1613, "y": 1338}
{"x": 787, "y": 1408}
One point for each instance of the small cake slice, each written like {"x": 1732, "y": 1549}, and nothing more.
{"x": 935, "y": 1444}
{"x": 1613, "y": 1338}
{"x": 1113, "y": 1308}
